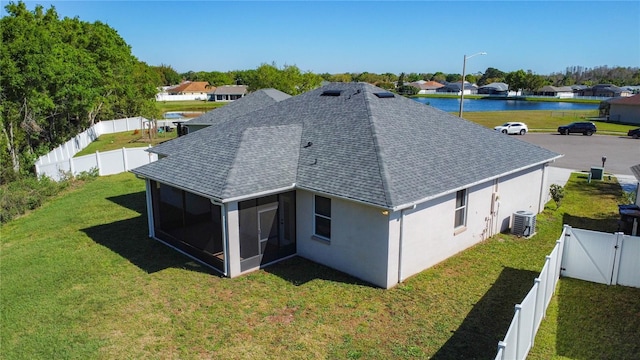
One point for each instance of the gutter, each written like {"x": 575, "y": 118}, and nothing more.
{"x": 414, "y": 203}
{"x": 400, "y": 243}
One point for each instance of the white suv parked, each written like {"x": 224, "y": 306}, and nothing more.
{"x": 512, "y": 128}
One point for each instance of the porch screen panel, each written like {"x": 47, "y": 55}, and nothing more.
{"x": 168, "y": 209}
{"x": 200, "y": 229}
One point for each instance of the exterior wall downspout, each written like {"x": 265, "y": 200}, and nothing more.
{"x": 150, "y": 222}
{"x": 225, "y": 238}
{"x": 543, "y": 182}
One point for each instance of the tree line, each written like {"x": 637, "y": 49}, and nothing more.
{"x": 60, "y": 76}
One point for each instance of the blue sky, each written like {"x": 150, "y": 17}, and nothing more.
{"x": 373, "y": 36}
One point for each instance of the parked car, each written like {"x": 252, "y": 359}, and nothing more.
{"x": 512, "y": 128}
{"x": 634, "y": 133}
{"x": 582, "y": 127}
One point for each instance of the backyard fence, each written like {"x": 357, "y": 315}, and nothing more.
{"x": 106, "y": 163}
{"x": 583, "y": 254}
{"x": 61, "y": 161}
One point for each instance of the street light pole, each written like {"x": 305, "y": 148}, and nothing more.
{"x": 464, "y": 67}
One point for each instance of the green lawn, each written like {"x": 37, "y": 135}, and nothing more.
{"x": 81, "y": 279}
{"x": 127, "y": 139}
{"x": 545, "y": 120}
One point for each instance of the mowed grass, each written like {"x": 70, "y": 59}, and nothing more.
{"x": 545, "y": 120}
{"x": 126, "y": 139}
{"x": 81, "y": 279}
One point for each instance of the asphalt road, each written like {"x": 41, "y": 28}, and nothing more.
{"x": 582, "y": 152}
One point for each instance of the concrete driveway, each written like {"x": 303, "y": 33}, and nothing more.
{"x": 582, "y": 152}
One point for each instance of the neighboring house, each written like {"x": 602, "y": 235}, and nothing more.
{"x": 454, "y": 87}
{"x": 188, "y": 90}
{"x": 426, "y": 87}
{"x": 255, "y": 101}
{"x": 605, "y": 90}
{"x": 622, "y": 109}
{"x": 348, "y": 175}
{"x": 562, "y": 92}
{"x": 495, "y": 89}
{"x": 229, "y": 92}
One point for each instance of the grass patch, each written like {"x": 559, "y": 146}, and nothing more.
{"x": 81, "y": 279}
{"x": 544, "y": 120}
{"x": 195, "y": 105}
{"x": 126, "y": 139}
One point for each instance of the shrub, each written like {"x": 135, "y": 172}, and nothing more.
{"x": 557, "y": 193}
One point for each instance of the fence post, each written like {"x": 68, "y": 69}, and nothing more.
{"x": 98, "y": 163}
{"x": 518, "y": 308}
{"x": 502, "y": 346}
{"x": 616, "y": 261}
{"x": 71, "y": 167}
{"x": 534, "y": 325}
{"x": 124, "y": 159}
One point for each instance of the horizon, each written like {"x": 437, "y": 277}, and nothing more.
{"x": 369, "y": 36}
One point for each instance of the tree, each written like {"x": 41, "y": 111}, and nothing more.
{"x": 491, "y": 75}
{"x": 58, "y": 77}
{"x": 289, "y": 79}
{"x": 168, "y": 76}
{"x": 517, "y": 80}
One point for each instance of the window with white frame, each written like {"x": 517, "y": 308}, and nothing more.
{"x": 322, "y": 217}
{"x": 461, "y": 208}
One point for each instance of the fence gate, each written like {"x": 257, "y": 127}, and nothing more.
{"x": 589, "y": 255}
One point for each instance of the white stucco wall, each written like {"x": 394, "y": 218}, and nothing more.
{"x": 233, "y": 236}
{"x": 625, "y": 113}
{"x": 428, "y": 234}
{"x": 359, "y": 238}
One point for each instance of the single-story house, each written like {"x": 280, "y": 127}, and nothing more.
{"x": 605, "y": 90}
{"x": 187, "y": 90}
{"x": 562, "y": 92}
{"x": 495, "y": 89}
{"x": 347, "y": 175}
{"x": 455, "y": 87}
{"x": 426, "y": 87}
{"x": 229, "y": 93}
{"x": 622, "y": 109}
{"x": 256, "y": 100}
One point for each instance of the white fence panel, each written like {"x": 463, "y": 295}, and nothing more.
{"x": 522, "y": 331}
{"x": 628, "y": 271}
{"x": 137, "y": 157}
{"x": 112, "y": 162}
{"x": 589, "y": 255}
{"x": 85, "y": 163}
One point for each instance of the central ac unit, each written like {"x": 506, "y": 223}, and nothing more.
{"x": 524, "y": 223}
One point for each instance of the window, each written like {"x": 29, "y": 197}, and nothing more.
{"x": 322, "y": 217}
{"x": 461, "y": 208}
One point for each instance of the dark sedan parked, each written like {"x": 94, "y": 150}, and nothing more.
{"x": 634, "y": 133}
{"x": 582, "y": 127}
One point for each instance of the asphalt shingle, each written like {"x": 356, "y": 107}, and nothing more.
{"x": 387, "y": 152}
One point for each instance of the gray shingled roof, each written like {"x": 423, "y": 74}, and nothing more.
{"x": 252, "y": 102}
{"x": 386, "y": 152}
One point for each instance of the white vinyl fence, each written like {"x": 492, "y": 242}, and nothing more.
{"x": 583, "y": 254}
{"x": 107, "y": 163}
{"x": 60, "y": 160}
{"x": 528, "y": 314}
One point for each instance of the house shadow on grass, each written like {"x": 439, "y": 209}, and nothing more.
{"x": 130, "y": 239}
{"x": 597, "y": 321}
{"x": 608, "y": 224}
{"x": 488, "y": 322}
{"x": 299, "y": 271}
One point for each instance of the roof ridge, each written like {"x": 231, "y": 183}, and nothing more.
{"x": 384, "y": 174}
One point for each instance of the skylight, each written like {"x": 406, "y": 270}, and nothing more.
{"x": 384, "y": 95}
{"x": 331, "y": 93}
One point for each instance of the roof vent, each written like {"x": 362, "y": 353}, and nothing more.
{"x": 331, "y": 93}
{"x": 384, "y": 95}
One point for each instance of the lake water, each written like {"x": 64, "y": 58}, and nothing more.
{"x": 453, "y": 105}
